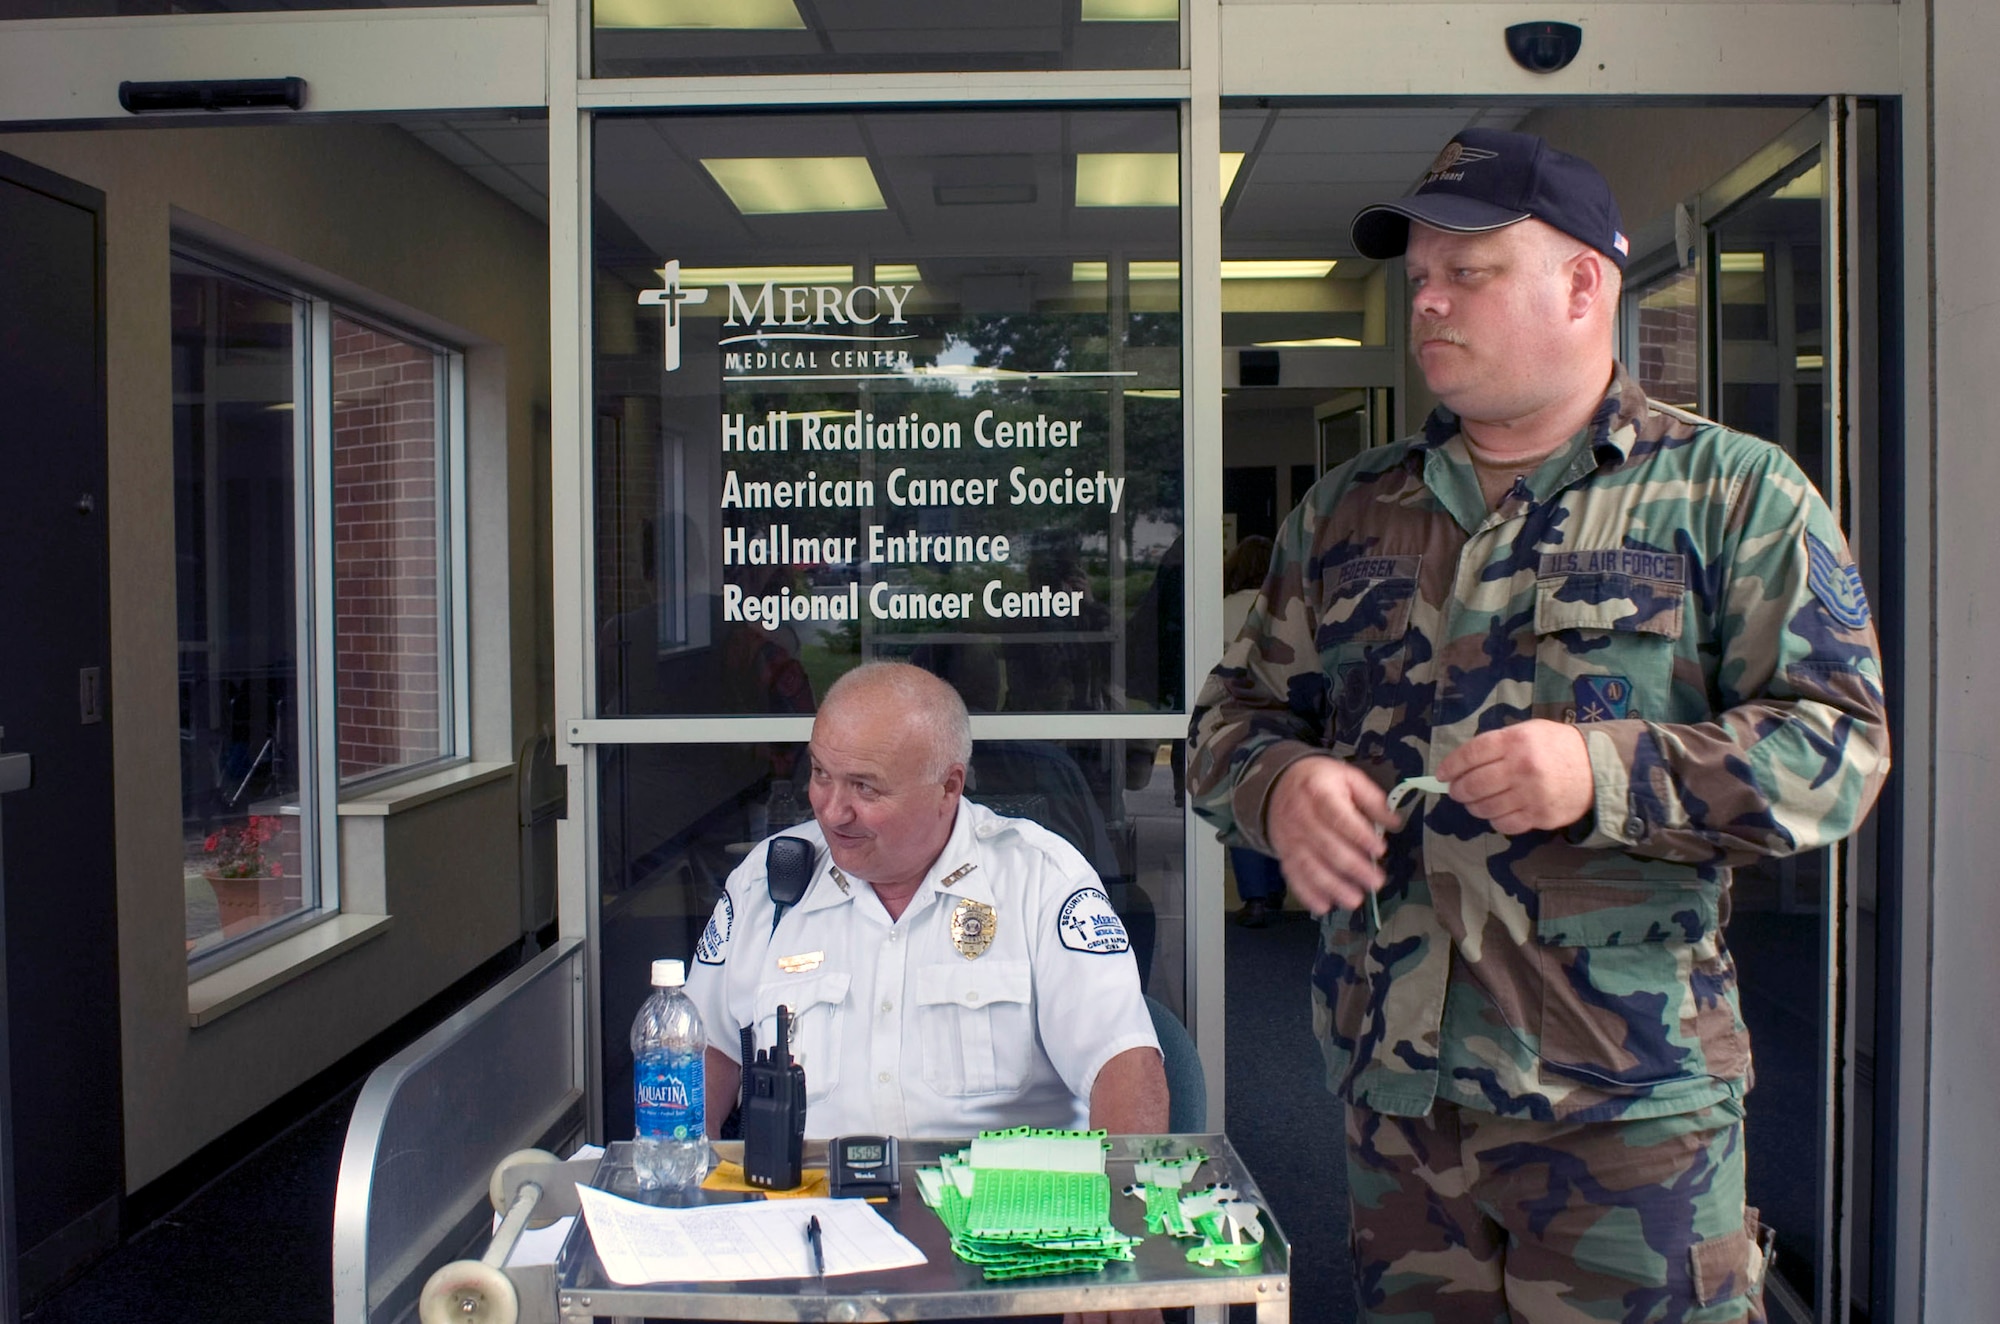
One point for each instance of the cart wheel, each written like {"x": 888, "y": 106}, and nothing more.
{"x": 496, "y": 1189}
{"x": 468, "y": 1292}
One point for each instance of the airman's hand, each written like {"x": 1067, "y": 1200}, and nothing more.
{"x": 1326, "y": 820}
{"x": 1535, "y": 774}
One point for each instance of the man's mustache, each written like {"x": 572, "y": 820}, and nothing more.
{"x": 1423, "y": 330}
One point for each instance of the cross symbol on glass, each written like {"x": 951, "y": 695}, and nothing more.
{"x": 671, "y": 298}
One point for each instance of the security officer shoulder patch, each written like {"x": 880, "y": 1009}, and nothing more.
{"x": 1087, "y": 923}
{"x": 714, "y": 942}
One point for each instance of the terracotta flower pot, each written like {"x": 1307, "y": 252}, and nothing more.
{"x": 258, "y": 898}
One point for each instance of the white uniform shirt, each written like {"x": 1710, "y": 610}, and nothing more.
{"x": 898, "y": 1031}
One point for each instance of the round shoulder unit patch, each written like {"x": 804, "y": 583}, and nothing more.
{"x": 714, "y": 944}
{"x": 1087, "y": 923}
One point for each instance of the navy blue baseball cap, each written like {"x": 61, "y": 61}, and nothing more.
{"x": 1488, "y": 179}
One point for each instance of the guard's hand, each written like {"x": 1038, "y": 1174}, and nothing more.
{"x": 1535, "y": 774}
{"x": 1326, "y": 820}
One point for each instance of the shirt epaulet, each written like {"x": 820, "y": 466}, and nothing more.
{"x": 1687, "y": 416}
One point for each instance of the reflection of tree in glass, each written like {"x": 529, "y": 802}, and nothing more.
{"x": 1037, "y": 342}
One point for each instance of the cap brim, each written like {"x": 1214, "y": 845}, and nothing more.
{"x": 1383, "y": 231}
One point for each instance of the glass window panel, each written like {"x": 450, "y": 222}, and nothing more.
{"x": 674, "y": 820}
{"x": 387, "y": 487}
{"x": 13, "y": 9}
{"x": 236, "y": 552}
{"x": 946, "y": 428}
{"x": 1289, "y": 279}
{"x": 642, "y": 38}
{"x": 1771, "y": 381}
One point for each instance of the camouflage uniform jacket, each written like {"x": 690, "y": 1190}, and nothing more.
{"x": 1678, "y": 590}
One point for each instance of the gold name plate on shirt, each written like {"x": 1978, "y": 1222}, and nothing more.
{"x": 804, "y": 961}
{"x": 972, "y": 926}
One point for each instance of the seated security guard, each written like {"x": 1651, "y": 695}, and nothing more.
{"x": 948, "y": 969}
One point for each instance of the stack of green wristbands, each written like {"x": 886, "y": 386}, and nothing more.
{"x": 1027, "y": 1203}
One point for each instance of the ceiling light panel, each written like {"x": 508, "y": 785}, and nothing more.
{"x": 1083, "y": 273}
{"x": 1231, "y": 163}
{"x": 1128, "y": 179}
{"x": 758, "y": 275}
{"x": 1131, "y": 11}
{"x": 1139, "y": 179}
{"x": 733, "y": 15}
{"x": 797, "y": 185}
{"x": 1291, "y": 268}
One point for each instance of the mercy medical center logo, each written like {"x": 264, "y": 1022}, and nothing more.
{"x": 778, "y": 305}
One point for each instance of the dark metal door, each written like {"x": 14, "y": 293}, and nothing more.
{"x": 55, "y": 686}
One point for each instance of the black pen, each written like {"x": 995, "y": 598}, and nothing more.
{"x": 819, "y": 1249}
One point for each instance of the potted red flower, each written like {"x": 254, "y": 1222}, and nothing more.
{"x": 248, "y": 881}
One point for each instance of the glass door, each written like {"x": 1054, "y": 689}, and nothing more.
{"x": 1777, "y": 296}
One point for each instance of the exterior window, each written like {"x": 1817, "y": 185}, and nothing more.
{"x": 310, "y": 448}
{"x": 649, "y": 38}
{"x": 390, "y": 639}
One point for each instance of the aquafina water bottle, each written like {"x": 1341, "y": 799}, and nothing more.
{"x": 670, "y": 1147}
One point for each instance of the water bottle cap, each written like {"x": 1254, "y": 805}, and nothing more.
{"x": 669, "y": 973}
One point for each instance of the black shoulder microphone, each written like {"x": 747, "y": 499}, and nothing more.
{"x": 788, "y": 871}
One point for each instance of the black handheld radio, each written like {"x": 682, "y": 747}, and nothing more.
{"x": 774, "y": 1114}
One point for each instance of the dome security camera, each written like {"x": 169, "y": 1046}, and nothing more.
{"x": 1544, "y": 47}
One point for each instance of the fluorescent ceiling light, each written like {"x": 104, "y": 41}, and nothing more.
{"x": 736, "y": 15}
{"x": 794, "y": 185}
{"x": 1809, "y": 362}
{"x": 1808, "y": 186}
{"x": 1131, "y": 11}
{"x": 1139, "y": 179}
{"x": 894, "y": 273}
{"x": 1323, "y": 342}
{"x": 758, "y": 275}
{"x": 1085, "y": 272}
{"x": 1128, "y": 179}
{"x": 1289, "y": 268}
{"x": 1742, "y": 262}
{"x": 1231, "y": 163}
{"x": 1154, "y": 392}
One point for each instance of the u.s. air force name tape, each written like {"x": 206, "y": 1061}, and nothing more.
{"x": 1089, "y": 924}
{"x": 715, "y": 938}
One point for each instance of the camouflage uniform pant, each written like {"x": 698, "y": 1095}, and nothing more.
{"x": 1463, "y": 1217}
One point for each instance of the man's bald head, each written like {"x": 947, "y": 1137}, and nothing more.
{"x": 931, "y": 711}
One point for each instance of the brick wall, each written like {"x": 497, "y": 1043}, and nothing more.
{"x": 385, "y": 492}
{"x": 1669, "y": 341}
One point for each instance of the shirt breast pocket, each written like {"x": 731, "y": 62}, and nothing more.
{"x": 1604, "y": 646}
{"x": 1360, "y": 639}
{"x": 977, "y": 1024}
{"x": 819, "y": 1008}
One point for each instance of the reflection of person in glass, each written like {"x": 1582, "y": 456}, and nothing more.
{"x": 1260, "y": 882}
{"x": 949, "y": 969}
{"x": 1634, "y": 645}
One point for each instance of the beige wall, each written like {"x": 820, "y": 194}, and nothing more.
{"x": 370, "y": 206}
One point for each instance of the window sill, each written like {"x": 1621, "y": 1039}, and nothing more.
{"x": 423, "y": 790}
{"x": 216, "y": 995}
